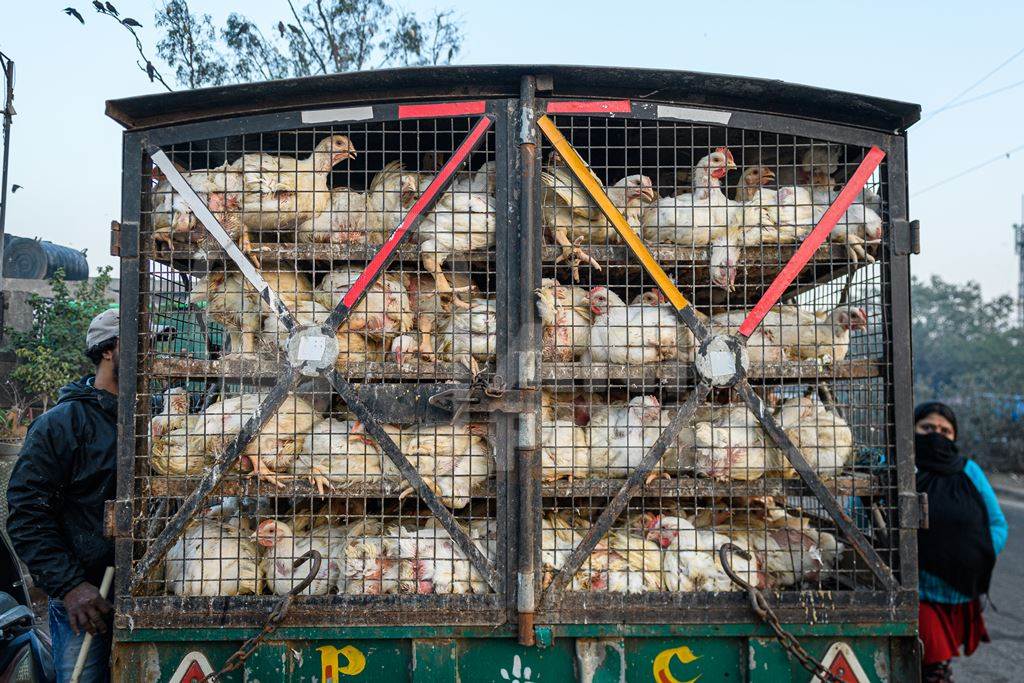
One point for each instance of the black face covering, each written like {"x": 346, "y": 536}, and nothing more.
{"x": 957, "y": 545}
{"x": 935, "y": 453}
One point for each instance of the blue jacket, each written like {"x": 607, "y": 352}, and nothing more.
{"x": 933, "y": 589}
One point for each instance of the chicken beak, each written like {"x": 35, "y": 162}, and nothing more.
{"x": 648, "y": 194}
{"x": 767, "y": 176}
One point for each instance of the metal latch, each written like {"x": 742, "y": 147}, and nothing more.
{"x": 115, "y": 238}
{"x": 117, "y": 518}
{"x": 484, "y": 395}
{"x": 913, "y": 510}
{"x": 906, "y": 237}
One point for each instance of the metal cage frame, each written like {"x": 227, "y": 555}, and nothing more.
{"x": 519, "y": 254}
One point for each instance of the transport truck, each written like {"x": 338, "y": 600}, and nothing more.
{"x": 515, "y": 373}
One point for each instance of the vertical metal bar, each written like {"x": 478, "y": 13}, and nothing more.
{"x": 506, "y": 215}
{"x": 525, "y": 254}
{"x": 902, "y": 386}
{"x": 128, "y": 380}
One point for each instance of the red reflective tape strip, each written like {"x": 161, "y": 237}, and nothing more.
{"x": 814, "y": 240}
{"x": 433, "y": 189}
{"x": 590, "y": 107}
{"x": 424, "y": 111}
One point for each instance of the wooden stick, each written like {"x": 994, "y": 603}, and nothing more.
{"x": 108, "y": 578}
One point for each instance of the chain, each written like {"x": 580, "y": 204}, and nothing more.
{"x": 274, "y": 620}
{"x": 764, "y": 611}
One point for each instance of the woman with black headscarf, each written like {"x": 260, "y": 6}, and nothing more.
{"x": 956, "y": 553}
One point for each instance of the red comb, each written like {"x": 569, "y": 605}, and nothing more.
{"x": 726, "y": 152}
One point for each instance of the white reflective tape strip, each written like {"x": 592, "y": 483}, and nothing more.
{"x": 723, "y": 363}
{"x": 693, "y": 114}
{"x": 343, "y": 114}
{"x": 312, "y": 348}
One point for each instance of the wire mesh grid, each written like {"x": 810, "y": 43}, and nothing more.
{"x": 308, "y": 209}
{"x": 722, "y": 210}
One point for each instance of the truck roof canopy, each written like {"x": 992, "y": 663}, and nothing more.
{"x": 713, "y": 90}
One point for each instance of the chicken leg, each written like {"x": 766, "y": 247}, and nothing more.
{"x": 573, "y": 254}
{"x": 435, "y": 266}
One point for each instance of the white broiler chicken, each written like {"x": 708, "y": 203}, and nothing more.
{"x": 187, "y": 448}
{"x": 460, "y": 222}
{"x": 438, "y": 565}
{"x": 634, "y": 563}
{"x": 567, "y": 317}
{"x": 213, "y": 557}
{"x": 630, "y": 335}
{"x": 698, "y": 217}
{"x": 269, "y": 452}
{"x": 281, "y": 192}
{"x": 803, "y": 334}
{"x": 573, "y": 218}
{"x": 283, "y": 545}
{"x": 560, "y": 534}
{"x": 691, "y": 561}
{"x": 231, "y": 301}
{"x": 336, "y": 453}
{"x": 355, "y": 217}
{"x": 371, "y": 559}
{"x": 565, "y": 449}
{"x": 858, "y": 227}
{"x": 733, "y": 446}
{"x": 622, "y": 434}
{"x": 172, "y": 217}
{"x": 822, "y": 436}
{"x": 427, "y": 305}
{"x": 790, "y": 550}
{"x": 469, "y": 335}
{"x": 173, "y": 413}
{"x": 385, "y": 310}
{"x": 452, "y": 460}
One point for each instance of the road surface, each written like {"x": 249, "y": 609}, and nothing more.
{"x": 1003, "y": 658}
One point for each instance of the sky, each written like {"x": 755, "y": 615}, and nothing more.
{"x": 66, "y": 153}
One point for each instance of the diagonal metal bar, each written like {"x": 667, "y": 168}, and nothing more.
{"x": 617, "y": 504}
{"x": 861, "y": 545}
{"x": 205, "y": 216}
{"x": 585, "y": 176}
{"x": 212, "y": 477}
{"x": 416, "y": 214}
{"x": 813, "y": 241}
{"x": 351, "y": 398}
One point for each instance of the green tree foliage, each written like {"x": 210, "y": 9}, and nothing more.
{"x": 969, "y": 353}
{"x": 51, "y": 353}
{"x": 314, "y": 37}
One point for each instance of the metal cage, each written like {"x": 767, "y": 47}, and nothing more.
{"x": 585, "y": 427}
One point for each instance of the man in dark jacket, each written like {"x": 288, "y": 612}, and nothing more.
{"x": 65, "y": 473}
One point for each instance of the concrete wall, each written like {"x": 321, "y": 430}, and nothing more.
{"x": 18, "y": 314}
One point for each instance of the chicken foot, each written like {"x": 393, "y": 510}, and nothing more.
{"x": 262, "y": 471}
{"x": 573, "y": 254}
{"x": 441, "y": 284}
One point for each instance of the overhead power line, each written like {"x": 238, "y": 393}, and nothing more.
{"x": 972, "y": 86}
{"x": 972, "y": 169}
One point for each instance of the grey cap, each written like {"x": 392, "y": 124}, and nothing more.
{"x": 104, "y": 327}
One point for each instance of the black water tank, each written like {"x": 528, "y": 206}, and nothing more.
{"x": 38, "y": 259}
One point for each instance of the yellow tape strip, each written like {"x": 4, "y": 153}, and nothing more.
{"x": 582, "y": 172}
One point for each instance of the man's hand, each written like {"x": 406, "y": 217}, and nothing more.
{"x": 87, "y": 609}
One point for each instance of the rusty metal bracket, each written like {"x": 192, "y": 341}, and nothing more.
{"x": 484, "y": 395}
{"x": 117, "y": 519}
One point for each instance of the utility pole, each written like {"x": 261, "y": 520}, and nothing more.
{"x": 1018, "y": 239}
{"x": 7, "y": 68}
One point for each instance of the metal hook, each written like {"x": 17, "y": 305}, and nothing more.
{"x": 317, "y": 559}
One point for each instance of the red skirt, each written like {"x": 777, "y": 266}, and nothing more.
{"x": 945, "y": 628}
